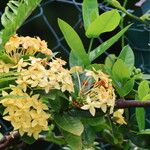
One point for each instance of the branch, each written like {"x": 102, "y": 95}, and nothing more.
{"x": 9, "y": 139}
{"x": 131, "y": 103}
{"x": 13, "y": 138}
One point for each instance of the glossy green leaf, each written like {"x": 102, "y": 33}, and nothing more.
{"x": 147, "y": 97}
{"x": 125, "y": 89}
{"x": 140, "y": 117}
{"x": 107, "y": 44}
{"x": 143, "y": 89}
{"x": 109, "y": 61}
{"x": 16, "y": 12}
{"x": 69, "y": 124}
{"x": 89, "y": 12}
{"x": 73, "y": 41}
{"x": 88, "y": 136}
{"x": 106, "y": 22}
{"x": 74, "y": 60}
{"x": 98, "y": 121}
{"x": 74, "y": 142}
{"x": 127, "y": 56}
{"x": 120, "y": 71}
{"x": 28, "y": 139}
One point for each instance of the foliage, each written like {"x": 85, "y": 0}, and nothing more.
{"x": 75, "y": 106}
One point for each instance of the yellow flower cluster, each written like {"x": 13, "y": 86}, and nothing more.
{"x": 45, "y": 75}
{"x": 26, "y": 113}
{"x": 101, "y": 95}
{"x": 19, "y": 46}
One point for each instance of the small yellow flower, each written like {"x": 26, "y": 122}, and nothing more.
{"x": 91, "y": 105}
{"x": 118, "y": 116}
{"x": 4, "y": 68}
{"x": 19, "y": 46}
{"x": 20, "y": 65}
{"x": 100, "y": 94}
{"x": 26, "y": 114}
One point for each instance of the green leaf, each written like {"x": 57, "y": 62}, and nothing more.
{"x": 120, "y": 71}
{"x": 125, "y": 89}
{"x": 95, "y": 66}
{"x": 89, "y": 136}
{"x": 146, "y": 131}
{"x": 13, "y": 17}
{"x": 69, "y": 124}
{"x": 143, "y": 89}
{"x": 107, "y": 44}
{"x": 74, "y": 60}
{"x": 56, "y": 99}
{"x": 116, "y": 4}
{"x": 5, "y": 58}
{"x": 147, "y": 97}
{"x": 140, "y": 117}
{"x": 73, "y": 41}
{"x": 75, "y": 142}
{"x": 106, "y": 22}
{"x": 140, "y": 140}
{"x": 51, "y": 137}
{"x": 94, "y": 121}
{"x": 89, "y": 12}
{"x": 27, "y": 139}
{"x": 121, "y": 78}
{"x": 127, "y": 56}
{"x": 110, "y": 60}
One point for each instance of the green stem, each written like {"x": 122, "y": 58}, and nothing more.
{"x": 135, "y": 17}
{"x": 122, "y": 25}
{"x": 125, "y": 3}
{"x": 79, "y": 82}
{"x": 131, "y": 15}
{"x": 90, "y": 46}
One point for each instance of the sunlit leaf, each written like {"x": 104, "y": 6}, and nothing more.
{"x": 89, "y": 12}
{"x": 106, "y": 22}
{"x": 73, "y": 41}
{"x": 106, "y": 45}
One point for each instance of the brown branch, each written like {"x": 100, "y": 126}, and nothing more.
{"x": 131, "y": 103}
{"x": 8, "y": 140}
{"x": 13, "y": 139}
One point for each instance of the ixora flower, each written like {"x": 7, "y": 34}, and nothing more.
{"x": 26, "y": 113}
{"x": 44, "y": 74}
{"x": 4, "y": 68}
{"x": 117, "y": 115}
{"x": 100, "y": 94}
{"x": 19, "y": 46}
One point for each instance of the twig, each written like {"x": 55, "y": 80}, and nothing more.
{"x": 9, "y": 139}
{"x": 132, "y": 103}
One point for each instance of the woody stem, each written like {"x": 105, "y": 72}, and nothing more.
{"x": 131, "y": 103}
